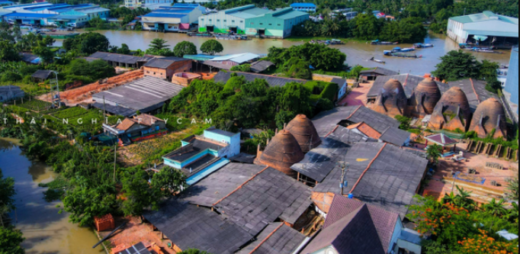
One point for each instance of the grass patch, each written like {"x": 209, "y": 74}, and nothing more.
{"x": 36, "y": 105}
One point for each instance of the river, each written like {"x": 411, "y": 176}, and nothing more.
{"x": 357, "y": 52}
{"x": 45, "y": 230}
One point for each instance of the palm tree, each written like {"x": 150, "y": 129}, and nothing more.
{"x": 433, "y": 152}
{"x": 462, "y": 199}
{"x": 495, "y": 208}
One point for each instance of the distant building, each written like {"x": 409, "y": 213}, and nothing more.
{"x": 251, "y": 20}
{"x": 172, "y": 19}
{"x": 305, "y": 7}
{"x": 119, "y": 60}
{"x": 486, "y": 28}
{"x": 137, "y": 128}
{"x": 372, "y": 74}
{"x": 8, "y": 93}
{"x": 511, "y": 87}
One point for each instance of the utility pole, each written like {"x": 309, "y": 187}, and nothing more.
{"x": 55, "y": 91}
{"x": 344, "y": 169}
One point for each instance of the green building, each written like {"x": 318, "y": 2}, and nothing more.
{"x": 251, "y": 20}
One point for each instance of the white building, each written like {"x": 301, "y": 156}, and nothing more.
{"x": 486, "y": 28}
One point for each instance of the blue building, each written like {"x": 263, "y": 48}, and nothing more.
{"x": 201, "y": 155}
{"x": 305, "y": 7}
{"x": 511, "y": 88}
{"x": 28, "y": 18}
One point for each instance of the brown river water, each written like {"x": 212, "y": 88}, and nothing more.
{"x": 357, "y": 52}
{"x": 45, "y": 230}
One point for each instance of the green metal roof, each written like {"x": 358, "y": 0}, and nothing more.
{"x": 484, "y": 16}
{"x": 288, "y": 13}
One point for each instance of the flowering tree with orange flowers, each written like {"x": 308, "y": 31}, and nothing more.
{"x": 445, "y": 223}
{"x": 483, "y": 243}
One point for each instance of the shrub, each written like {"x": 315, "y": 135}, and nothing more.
{"x": 11, "y": 76}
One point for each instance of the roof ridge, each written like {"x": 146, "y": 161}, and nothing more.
{"x": 240, "y": 186}
{"x": 351, "y": 114}
{"x": 330, "y": 132}
{"x": 366, "y": 169}
{"x": 267, "y": 237}
{"x": 475, "y": 91}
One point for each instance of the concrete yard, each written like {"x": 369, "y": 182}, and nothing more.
{"x": 358, "y": 95}
{"x": 442, "y": 182}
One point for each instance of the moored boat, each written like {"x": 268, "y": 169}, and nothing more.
{"x": 376, "y": 60}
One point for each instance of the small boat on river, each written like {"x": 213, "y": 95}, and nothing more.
{"x": 376, "y": 60}
{"x": 378, "y": 42}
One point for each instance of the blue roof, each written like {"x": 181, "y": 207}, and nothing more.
{"x": 185, "y": 5}
{"x": 306, "y": 5}
{"x": 164, "y": 15}
{"x": 22, "y": 5}
{"x": 38, "y": 8}
{"x": 173, "y": 11}
{"x": 29, "y": 15}
{"x": 6, "y": 2}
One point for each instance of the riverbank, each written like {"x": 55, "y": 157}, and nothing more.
{"x": 358, "y": 51}
{"x": 45, "y": 229}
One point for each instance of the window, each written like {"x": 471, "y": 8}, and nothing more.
{"x": 224, "y": 20}
{"x": 218, "y": 20}
{"x": 201, "y": 19}
{"x": 233, "y": 21}
{"x": 209, "y": 19}
{"x": 270, "y": 24}
{"x": 243, "y": 21}
{"x": 278, "y": 24}
{"x": 261, "y": 23}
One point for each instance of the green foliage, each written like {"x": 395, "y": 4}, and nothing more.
{"x": 319, "y": 56}
{"x": 297, "y": 68}
{"x": 251, "y": 144}
{"x": 10, "y": 76}
{"x": 8, "y": 51}
{"x": 87, "y": 43}
{"x": 184, "y": 48}
{"x": 512, "y": 187}
{"x": 457, "y": 65}
{"x": 169, "y": 181}
{"x": 10, "y": 240}
{"x": 123, "y": 49}
{"x": 242, "y": 68}
{"x": 6, "y": 194}
{"x": 408, "y": 30}
{"x": 45, "y": 53}
{"x": 94, "y": 70}
{"x": 211, "y": 47}
{"x": 404, "y": 122}
{"x": 367, "y": 27}
{"x": 433, "y": 152}
{"x": 158, "y": 44}
{"x": 239, "y": 103}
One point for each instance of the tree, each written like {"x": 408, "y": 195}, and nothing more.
{"x": 404, "y": 122}
{"x": 6, "y": 196}
{"x": 48, "y": 41}
{"x": 168, "y": 181}
{"x": 8, "y": 51}
{"x": 457, "y": 65}
{"x": 495, "y": 208}
{"x": 211, "y": 47}
{"x": 184, "y": 48}
{"x": 158, "y": 44}
{"x": 488, "y": 72}
{"x": 367, "y": 26}
{"x": 93, "y": 42}
{"x": 10, "y": 240}
{"x": 512, "y": 188}
{"x": 100, "y": 69}
{"x": 137, "y": 192}
{"x": 433, "y": 152}
{"x": 88, "y": 199}
{"x": 484, "y": 243}
{"x": 45, "y": 53}
{"x": 124, "y": 49}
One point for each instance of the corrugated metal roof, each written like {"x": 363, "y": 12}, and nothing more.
{"x": 306, "y": 5}
{"x": 288, "y": 13}
{"x": 29, "y": 15}
{"x": 199, "y": 57}
{"x": 164, "y": 15}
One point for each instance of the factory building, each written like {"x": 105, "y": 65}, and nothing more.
{"x": 172, "y": 19}
{"x": 486, "y": 29}
{"x": 254, "y": 21}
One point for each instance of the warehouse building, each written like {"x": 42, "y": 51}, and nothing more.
{"x": 172, "y": 19}
{"x": 511, "y": 87}
{"x": 486, "y": 28}
{"x": 250, "y": 20}
{"x": 305, "y": 7}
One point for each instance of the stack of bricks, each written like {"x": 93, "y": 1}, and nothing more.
{"x": 104, "y": 223}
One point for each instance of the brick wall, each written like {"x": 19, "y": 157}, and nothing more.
{"x": 180, "y": 66}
